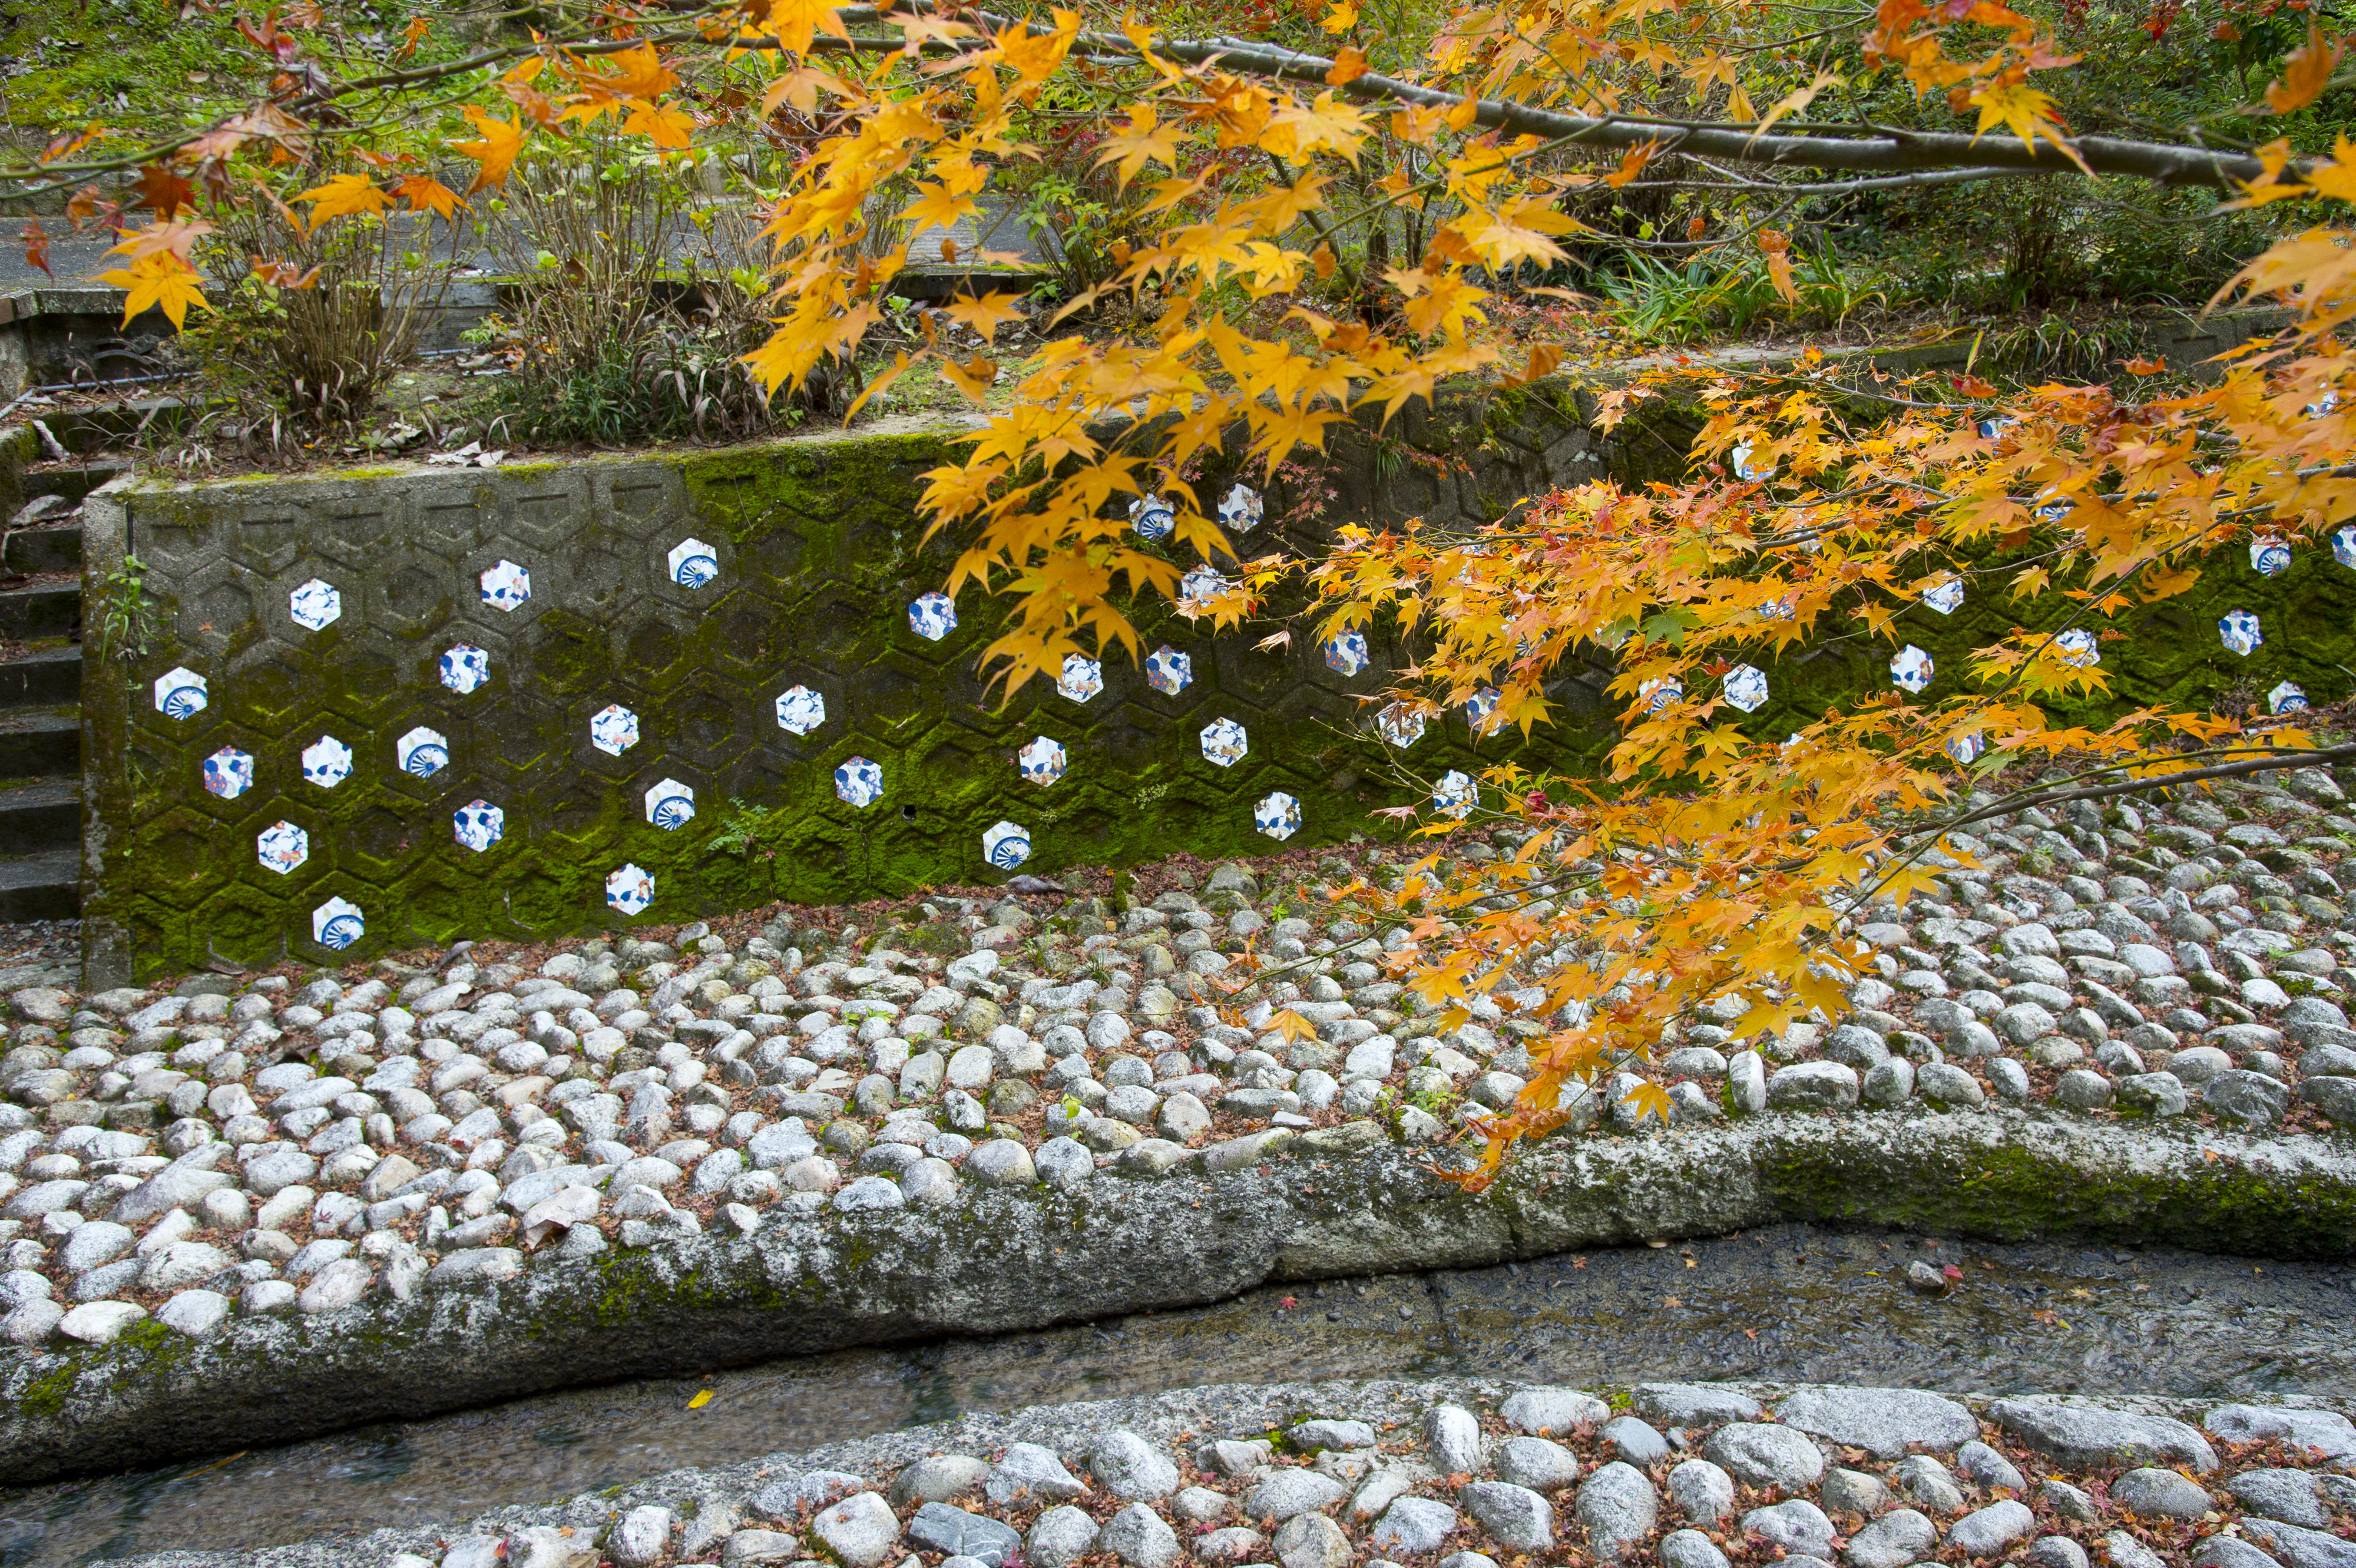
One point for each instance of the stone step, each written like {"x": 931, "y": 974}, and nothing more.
{"x": 76, "y": 482}
{"x": 41, "y": 816}
{"x": 44, "y": 887}
{"x": 37, "y": 744}
{"x": 41, "y": 678}
{"x": 42, "y": 549}
{"x": 43, "y": 609}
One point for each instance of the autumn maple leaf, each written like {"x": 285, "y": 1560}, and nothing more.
{"x": 160, "y": 279}
{"x": 344, "y": 196}
{"x": 495, "y": 155}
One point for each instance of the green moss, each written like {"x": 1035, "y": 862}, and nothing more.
{"x": 45, "y": 1396}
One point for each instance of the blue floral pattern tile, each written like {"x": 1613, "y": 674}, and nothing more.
{"x": 1197, "y": 588}
{"x": 1745, "y": 687}
{"x": 859, "y": 782}
{"x": 1277, "y": 815}
{"x": 2270, "y": 555}
{"x": 629, "y": 890}
{"x": 614, "y": 729}
{"x": 1945, "y": 595}
{"x": 314, "y": 604}
{"x": 670, "y": 804}
{"x": 1400, "y": 724}
{"x": 180, "y": 693}
{"x": 1042, "y": 761}
{"x": 1744, "y": 468}
{"x": 2343, "y": 544}
{"x": 338, "y": 924}
{"x": 1479, "y": 706}
{"x": 1169, "y": 671}
{"x": 693, "y": 562}
{"x": 464, "y": 668}
{"x": 1967, "y": 748}
{"x": 800, "y": 710}
{"x": 1152, "y": 518}
{"x": 229, "y": 773}
{"x": 2287, "y": 698}
{"x": 2238, "y": 631}
{"x": 1223, "y": 742}
{"x": 1241, "y": 509}
{"x": 326, "y": 762}
{"x": 1911, "y": 670}
{"x": 932, "y": 615}
{"x": 2078, "y": 648}
{"x": 505, "y": 586}
{"x": 1006, "y": 845}
{"x": 1082, "y": 677}
{"x": 1455, "y": 795}
{"x": 1345, "y": 653}
{"x": 421, "y": 752}
{"x": 282, "y": 846}
{"x": 1658, "y": 694}
{"x": 479, "y": 824}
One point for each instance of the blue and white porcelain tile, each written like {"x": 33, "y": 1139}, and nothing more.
{"x": 1455, "y": 795}
{"x": 1400, "y": 724}
{"x": 180, "y": 693}
{"x": 282, "y": 846}
{"x": 338, "y": 924}
{"x": 2287, "y": 698}
{"x": 1169, "y": 671}
{"x": 1042, "y": 761}
{"x": 1223, "y": 742}
{"x": 932, "y": 615}
{"x": 630, "y": 888}
{"x": 315, "y": 604}
{"x": 2238, "y": 631}
{"x": 671, "y": 804}
{"x": 478, "y": 825}
{"x": 326, "y": 762}
{"x": 1479, "y": 706}
{"x": 1967, "y": 748}
{"x": 421, "y": 752}
{"x": 1277, "y": 815}
{"x": 2270, "y": 555}
{"x": 506, "y": 585}
{"x": 2078, "y": 648}
{"x": 1345, "y": 653}
{"x": 614, "y": 729}
{"x": 1658, "y": 694}
{"x": 800, "y": 710}
{"x": 1945, "y": 595}
{"x": 1082, "y": 677}
{"x": 1006, "y": 845}
{"x": 1152, "y": 518}
{"x": 693, "y": 562}
{"x": 1241, "y": 509}
{"x": 229, "y": 773}
{"x": 859, "y": 781}
{"x": 1745, "y": 687}
{"x": 463, "y": 667}
{"x": 1911, "y": 670}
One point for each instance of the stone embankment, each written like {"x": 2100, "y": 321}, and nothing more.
{"x": 250, "y": 1209}
{"x": 1473, "y": 1475}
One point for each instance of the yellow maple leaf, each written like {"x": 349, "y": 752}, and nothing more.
{"x": 162, "y": 279}
{"x": 2306, "y": 70}
{"x": 345, "y": 195}
{"x": 425, "y": 194}
{"x": 671, "y": 127}
{"x": 795, "y": 22}
{"x": 987, "y": 314}
{"x": 1146, "y": 139}
{"x": 1341, "y": 17}
{"x": 495, "y": 155}
{"x": 2022, "y": 110}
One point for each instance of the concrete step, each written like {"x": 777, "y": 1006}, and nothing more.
{"x": 37, "y": 743}
{"x": 42, "y": 677}
{"x": 43, "y": 549}
{"x": 76, "y": 481}
{"x": 44, "y": 887}
{"x": 41, "y": 816}
{"x": 40, "y": 609}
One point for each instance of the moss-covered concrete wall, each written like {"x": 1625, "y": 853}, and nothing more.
{"x": 818, "y": 555}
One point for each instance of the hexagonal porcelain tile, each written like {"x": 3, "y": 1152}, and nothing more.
{"x": 1746, "y": 688}
{"x": 1479, "y": 706}
{"x": 1082, "y": 677}
{"x": 2343, "y": 544}
{"x": 932, "y": 615}
{"x": 859, "y": 781}
{"x": 2270, "y": 555}
{"x": 282, "y": 846}
{"x": 1223, "y": 742}
{"x": 1455, "y": 795}
{"x": 314, "y": 604}
{"x": 693, "y": 562}
{"x": 1169, "y": 671}
{"x": 1278, "y": 816}
{"x": 464, "y": 668}
{"x": 1006, "y": 845}
{"x": 2078, "y": 648}
{"x": 1345, "y": 653}
{"x": 1152, "y": 517}
{"x": 338, "y": 924}
{"x": 479, "y": 824}
{"x": 671, "y": 804}
{"x": 800, "y": 710}
{"x": 505, "y": 586}
{"x": 1946, "y": 596}
{"x": 421, "y": 752}
{"x": 326, "y": 762}
{"x": 1993, "y": 429}
{"x": 1400, "y": 724}
{"x": 2287, "y": 698}
{"x": 1913, "y": 669}
{"x": 1042, "y": 761}
{"x": 180, "y": 693}
{"x": 2238, "y": 631}
{"x": 1781, "y": 609}
{"x": 630, "y": 889}
{"x": 1241, "y": 511}
{"x": 1197, "y": 588}
{"x": 1658, "y": 694}
{"x": 1744, "y": 468}
{"x": 229, "y": 773}
{"x": 614, "y": 729}
{"x": 1967, "y": 748}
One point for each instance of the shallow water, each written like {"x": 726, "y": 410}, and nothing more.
{"x": 1789, "y": 1303}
